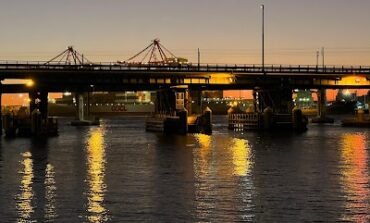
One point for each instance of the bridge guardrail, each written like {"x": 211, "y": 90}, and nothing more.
{"x": 246, "y": 68}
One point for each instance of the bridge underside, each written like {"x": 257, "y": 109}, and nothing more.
{"x": 133, "y": 83}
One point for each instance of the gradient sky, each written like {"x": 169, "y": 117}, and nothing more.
{"x": 226, "y": 31}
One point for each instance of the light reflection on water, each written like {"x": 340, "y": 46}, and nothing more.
{"x": 24, "y": 199}
{"x": 50, "y": 193}
{"x": 95, "y": 175}
{"x": 241, "y": 157}
{"x": 356, "y": 178}
{"x": 217, "y": 160}
{"x": 118, "y": 172}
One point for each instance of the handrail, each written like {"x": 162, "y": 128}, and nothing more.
{"x": 234, "y": 68}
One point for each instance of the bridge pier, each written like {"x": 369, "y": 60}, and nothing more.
{"x": 80, "y": 107}
{"x": 194, "y": 105}
{"x": 82, "y": 111}
{"x": 171, "y": 112}
{"x": 321, "y": 108}
{"x": 278, "y": 99}
{"x": 1, "y": 115}
{"x": 39, "y": 101}
{"x": 273, "y": 110}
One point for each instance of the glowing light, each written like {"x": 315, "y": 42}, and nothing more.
{"x": 355, "y": 80}
{"x": 241, "y": 157}
{"x": 50, "y": 189}
{"x": 347, "y": 92}
{"x": 355, "y": 174}
{"x": 67, "y": 93}
{"x": 24, "y": 199}
{"x": 30, "y": 83}
{"x": 221, "y": 78}
{"x": 96, "y": 173}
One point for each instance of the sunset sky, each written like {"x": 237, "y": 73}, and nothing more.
{"x": 226, "y": 31}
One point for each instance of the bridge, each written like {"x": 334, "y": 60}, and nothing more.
{"x": 117, "y": 77}
{"x": 272, "y": 84}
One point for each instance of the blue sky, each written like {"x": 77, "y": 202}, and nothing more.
{"x": 226, "y": 31}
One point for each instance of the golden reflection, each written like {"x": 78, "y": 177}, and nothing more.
{"x": 24, "y": 199}
{"x": 50, "y": 189}
{"x": 96, "y": 172}
{"x": 355, "y": 175}
{"x": 204, "y": 156}
{"x": 221, "y": 78}
{"x": 354, "y": 80}
{"x": 241, "y": 157}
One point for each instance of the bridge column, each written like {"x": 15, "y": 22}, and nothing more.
{"x": 321, "y": 103}
{"x": 44, "y": 104}
{"x": 321, "y": 108}
{"x": 195, "y": 102}
{"x": 33, "y": 96}
{"x": 1, "y": 115}
{"x": 39, "y": 100}
{"x": 80, "y": 106}
{"x": 279, "y": 99}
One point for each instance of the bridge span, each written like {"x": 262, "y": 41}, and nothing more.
{"x": 272, "y": 85}
{"x": 57, "y": 77}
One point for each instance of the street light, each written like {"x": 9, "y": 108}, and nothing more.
{"x": 317, "y": 58}
{"x": 323, "y": 56}
{"x": 263, "y": 37}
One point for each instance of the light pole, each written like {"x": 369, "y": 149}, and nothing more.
{"x": 263, "y": 37}
{"x": 323, "y": 56}
{"x": 317, "y": 58}
{"x": 198, "y": 58}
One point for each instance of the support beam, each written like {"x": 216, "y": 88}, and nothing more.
{"x": 195, "y": 102}
{"x": 279, "y": 99}
{"x": 44, "y": 104}
{"x": 33, "y": 96}
{"x": 321, "y": 108}
{"x": 1, "y": 115}
{"x": 39, "y": 100}
{"x": 321, "y": 103}
{"x": 80, "y": 107}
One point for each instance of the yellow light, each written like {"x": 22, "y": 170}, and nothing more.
{"x": 96, "y": 174}
{"x": 241, "y": 157}
{"x": 24, "y": 199}
{"x": 30, "y": 83}
{"x": 354, "y": 173}
{"x": 347, "y": 92}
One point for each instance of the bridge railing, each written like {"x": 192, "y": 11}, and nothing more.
{"x": 233, "y": 68}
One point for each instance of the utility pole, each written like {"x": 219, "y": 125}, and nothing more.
{"x": 323, "y": 56}
{"x": 263, "y": 37}
{"x": 198, "y": 58}
{"x": 317, "y": 57}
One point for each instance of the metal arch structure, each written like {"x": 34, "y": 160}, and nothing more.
{"x": 70, "y": 56}
{"x": 156, "y": 54}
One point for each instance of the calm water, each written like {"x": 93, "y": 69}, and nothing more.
{"x": 118, "y": 172}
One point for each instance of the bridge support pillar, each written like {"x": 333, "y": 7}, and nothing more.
{"x": 171, "y": 108}
{"x": 39, "y": 100}
{"x": 279, "y": 99}
{"x": 1, "y": 115}
{"x": 321, "y": 108}
{"x": 80, "y": 106}
{"x": 195, "y": 102}
{"x": 82, "y": 111}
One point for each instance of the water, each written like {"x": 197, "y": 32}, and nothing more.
{"x": 118, "y": 172}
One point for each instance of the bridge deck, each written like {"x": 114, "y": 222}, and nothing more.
{"x": 247, "y": 69}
